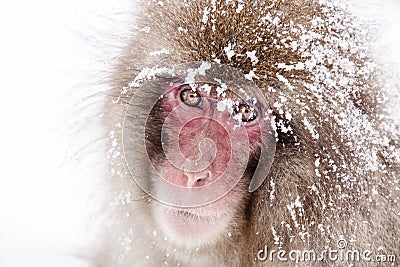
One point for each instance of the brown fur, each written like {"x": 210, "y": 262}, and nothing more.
{"x": 354, "y": 191}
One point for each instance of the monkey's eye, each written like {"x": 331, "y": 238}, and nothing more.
{"x": 246, "y": 113}
{"x": 190, "y": 97}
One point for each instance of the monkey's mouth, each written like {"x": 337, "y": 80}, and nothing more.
{"x": 194, "y": 215}
{"x": 192, "y": 226}
{"x": 190, "y": 215}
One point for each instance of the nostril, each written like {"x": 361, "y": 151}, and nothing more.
{"x": 200, "y": 182}
{"x": 197, "y": 179}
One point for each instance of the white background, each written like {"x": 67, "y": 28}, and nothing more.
{"x": 52, "y": 56}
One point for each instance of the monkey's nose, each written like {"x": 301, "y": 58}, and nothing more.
{"x": 197, "y": 179}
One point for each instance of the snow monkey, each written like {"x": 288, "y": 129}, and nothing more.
{"x": 249, "y": 133}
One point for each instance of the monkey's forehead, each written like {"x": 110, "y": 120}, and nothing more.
{"x": 212, "y": 79}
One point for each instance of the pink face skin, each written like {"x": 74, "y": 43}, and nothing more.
{"x": 193, "y": 117}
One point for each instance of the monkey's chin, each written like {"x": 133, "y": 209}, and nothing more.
{"x": 191, "y": 228}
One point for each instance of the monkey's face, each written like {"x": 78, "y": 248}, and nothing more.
{"x": 199, "y": 142}
{"x": 208, "y": 139}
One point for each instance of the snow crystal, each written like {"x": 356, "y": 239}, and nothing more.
{"x": 145, "y": 29}
{"x": 298, "y": 66}
{"x": 148, "y": 74}
{"x": 252, "y": 56}
{"x": 203, "y": 67}
{"x": 217, "y": 60}
{"x": 159, "y": 52}
{"x": 180, "y": 29}
{"x": 284, "y": 80}
{"x": 277, "y": 239}
{"x": 206, "y": 12}
{"x": 229, "y": 51}
{"x": 272, "y": 192}
{"x": 240, "y": 6}
{"x": 206, "y": 88}
{"x": 221, "y": 89}
{"x": 251, "y": 75}
{"x": 191, "y": 73}
{"x": 317, "y": 162}
{"x": 311, "y": 128}
{"x": 225, "y": 104}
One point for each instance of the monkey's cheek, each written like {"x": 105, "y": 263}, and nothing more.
{"x": 191, "y": 228}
